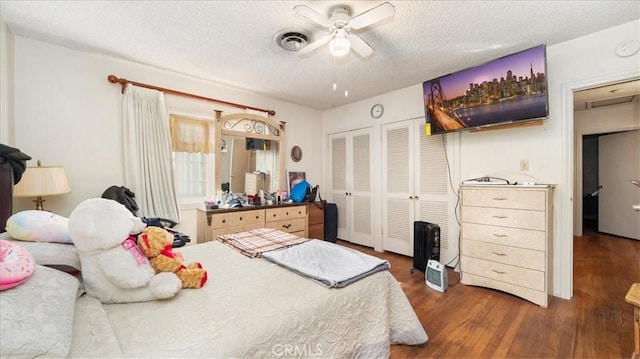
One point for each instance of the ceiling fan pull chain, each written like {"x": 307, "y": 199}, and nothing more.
{"x": 346, "y": 75}
{"x": 335, "y": 85}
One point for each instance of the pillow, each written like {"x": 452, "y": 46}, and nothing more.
{"x": 16, "y": 264}
{"x": 37, "y": 316}
{"x": 39, "y": 226}
{"x": 58, "y": 255}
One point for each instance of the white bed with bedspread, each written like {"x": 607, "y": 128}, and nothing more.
{"x": 249, "y": 308}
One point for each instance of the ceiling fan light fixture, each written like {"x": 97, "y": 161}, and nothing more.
{"x": 340, "y": 45}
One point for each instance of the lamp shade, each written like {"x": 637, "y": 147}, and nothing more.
{"x": 42, "y": 181}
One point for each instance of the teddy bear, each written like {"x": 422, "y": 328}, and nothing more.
{"x": 113, "y": 268}
{"x": 157, "y": 244}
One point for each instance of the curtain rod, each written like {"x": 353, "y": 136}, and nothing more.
{"x": 123, "y": 82}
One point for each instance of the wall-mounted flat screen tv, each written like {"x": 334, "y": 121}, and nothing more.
{"x": 509, "y": 89}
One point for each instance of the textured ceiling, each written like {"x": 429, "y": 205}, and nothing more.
{"x": 232, "y": 42}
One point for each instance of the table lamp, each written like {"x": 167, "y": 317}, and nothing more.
{"x": 42, "y": 181}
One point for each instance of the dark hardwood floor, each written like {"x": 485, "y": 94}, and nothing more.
{"x": 475, "y": 322}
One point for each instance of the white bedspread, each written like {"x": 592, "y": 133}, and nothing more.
{"x": 252, "y": 308}
{"x": 328, "y": 264}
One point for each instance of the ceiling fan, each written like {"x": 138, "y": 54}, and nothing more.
{"x": 339, "y": 24}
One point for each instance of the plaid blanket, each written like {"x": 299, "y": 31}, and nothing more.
{"x": 257, "y": 241}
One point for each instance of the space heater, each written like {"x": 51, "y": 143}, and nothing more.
{"x": 426, "y": 244}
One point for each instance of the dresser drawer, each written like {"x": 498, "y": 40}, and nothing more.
{"x": 235, "y": 219}
{"x": 527, "y": 278}
{"x": 536, "y": 296}
{"x": 533, "y": 199}
{"x": 505, "y": 217}
{"x": 227, "y": 230}
{"x": 282, "y": 213}
{"x": 515, "y": 237}
{"x": 526, "y": 258}
{"x": 289, "y": 225}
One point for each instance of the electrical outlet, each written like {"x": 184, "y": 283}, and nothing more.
{"x": 524, "y": 165}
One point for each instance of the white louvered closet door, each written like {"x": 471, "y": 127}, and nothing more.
{"x": 398, "y": 187}
{"x": 360, "y": 193}
{"x": 432, "y": 183}
{"x": 351, "y": 184}
{"x": 414, "y": 184}
{"x": 339, "y": 191}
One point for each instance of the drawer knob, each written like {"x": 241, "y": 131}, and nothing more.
{"x": 287, "y": 213}
{"x": 241, "y": 218}
{"x": 224, "y": 221}
{"x": 257, "y": 217}
{"x": 499, "y": 254}
{"x": 499, "y": 198}
{"x": 274, "y": 215}
{"x": 286, "y": 226}
{"x": 500, "y": 217}
{"x": 499, "y": 235}
{"x": 499, "y": 272}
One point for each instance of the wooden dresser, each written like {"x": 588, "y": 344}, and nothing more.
{"x": 507, "y": 239}
{"x": 290, "y": 218}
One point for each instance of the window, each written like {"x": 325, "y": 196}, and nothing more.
{"x": 193, "y": 157}
{"x": 190, "y": 174}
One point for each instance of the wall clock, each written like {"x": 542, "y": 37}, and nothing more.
{"x": 296, "y": 153}
{"x": 377, "y": 110}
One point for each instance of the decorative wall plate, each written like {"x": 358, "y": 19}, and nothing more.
{"x": 296, "y": 153}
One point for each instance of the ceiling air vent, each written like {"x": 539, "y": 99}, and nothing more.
{"x": 292, "y": 40}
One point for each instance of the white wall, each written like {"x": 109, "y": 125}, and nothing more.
{"x": 548, "y": 148}
{"x": 68, "y": 114}
{"x": 6, "y": 83}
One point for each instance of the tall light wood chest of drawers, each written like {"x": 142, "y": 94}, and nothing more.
{"x": 506, "y": 236}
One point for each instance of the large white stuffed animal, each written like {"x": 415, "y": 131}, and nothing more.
{"x": 113, "y": 268}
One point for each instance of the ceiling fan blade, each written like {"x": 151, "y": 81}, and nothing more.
{"x": 373, "y": 15}
{"x": 314, "y": 16}
{"x": 360, "y": 46}
{"x": 316, "y": 44}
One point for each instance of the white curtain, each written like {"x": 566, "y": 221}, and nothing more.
{"x": 148, "y": 170}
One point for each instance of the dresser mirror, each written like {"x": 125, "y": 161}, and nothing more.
{"x": 249, "y": 153}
